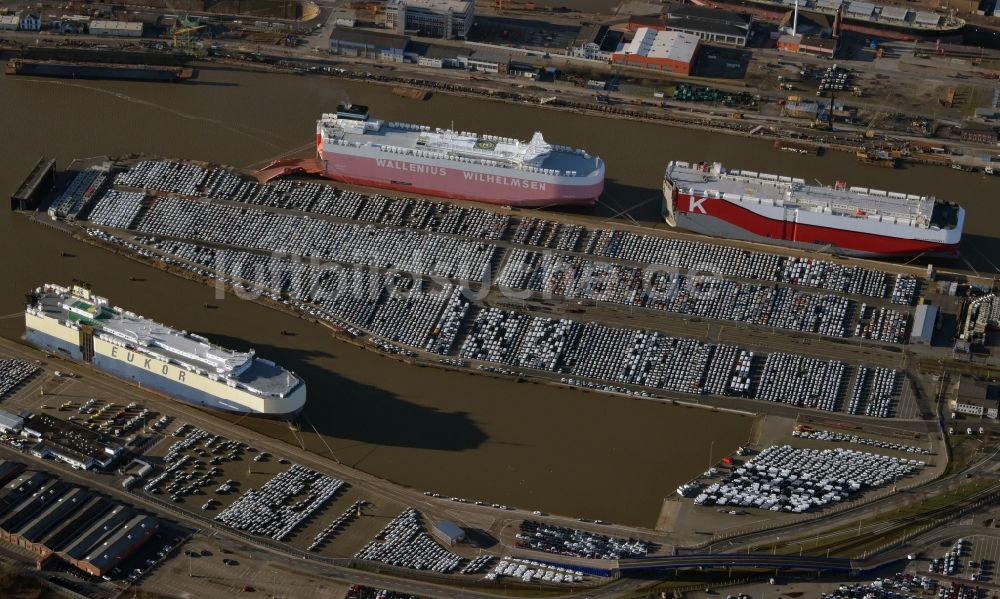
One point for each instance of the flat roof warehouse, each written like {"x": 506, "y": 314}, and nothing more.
{"x": 53, "y": 518}
{"x": 80, "y": 447}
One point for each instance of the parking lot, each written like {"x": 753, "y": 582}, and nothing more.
{"x": 972, "y": 558}
{"x": 221, "y": 472}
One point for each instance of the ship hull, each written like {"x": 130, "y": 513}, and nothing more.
{"x": 157, "y": 376}
{"x": 68, "y": 70}
{"x": 370, "y": 167}
{"x": 719, "y": 218}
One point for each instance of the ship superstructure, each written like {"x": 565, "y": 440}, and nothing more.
{"x": 355, "y": 148}
{"x": 752, "y": 206}
{"x": 76, "y": 323}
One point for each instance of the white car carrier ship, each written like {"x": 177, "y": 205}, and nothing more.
{"x": 75, "y": 323}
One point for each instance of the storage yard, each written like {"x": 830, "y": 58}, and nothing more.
{"x": 797, "y": 480}
{"x": 359, "y": 262}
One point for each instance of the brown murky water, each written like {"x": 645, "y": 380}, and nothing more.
{"x": 526, "y": 445}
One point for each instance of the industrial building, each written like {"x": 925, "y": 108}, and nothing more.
{"x": 441, "y": 57}
{"x": 825, "y": 47}
{"x": 368, "y": 44}
{"x": 448, "y": 532}
{"x": 35, "y": 186}
{"x": 53, "y": 518}
{"x": 8, "y": 470}
{"x": 977, "y": 397}
{"x": 10, "y": 423}
{"x": 597, "y": 42}
{"x": 66, "y": 441}
{"x": 672, "y": 51}
{"x": 489, "y": 61}
{"x": 116, "y": 28}
{"x": 923, "y": 324}
{"x": 118, "y": 545}
{"x": 710, "y": 24}
{"x": 448, "y": 19}
{"x": 9, "y": 22}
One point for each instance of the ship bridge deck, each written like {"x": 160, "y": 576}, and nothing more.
{"x": 792, "y": 193}
{"x": 490, "y": 150}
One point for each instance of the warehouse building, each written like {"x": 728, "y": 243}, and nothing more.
{"x": 116, "y": 28}
{"x": 824, "y": 47}
{"x": 53, "y": 518}
{"x": 368, "y": 44}
{"x": 672, "y": 51}
{"x": 118, "y": 545}
{"x": 710, "y": 24}
{"x": 61, "y": 506}
{"x": 489, "y": 61}
{"x": 9, "y": 470}
{"x": 20, "y": 488}
{"x": 977, "y": 397}
{"x": 441, "y": 57}
{"x": 29, "y": 506}
{"x": 924, "y": 319}
{"x": 69, "y": 442}
{"x": 448, "y": 19}
{"x": 10, "y": 423}
{"x": 448, "y": 532}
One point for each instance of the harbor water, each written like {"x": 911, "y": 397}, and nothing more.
{"x": 527, "y": 445}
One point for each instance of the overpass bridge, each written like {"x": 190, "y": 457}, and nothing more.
{"x": 738, "y": 560}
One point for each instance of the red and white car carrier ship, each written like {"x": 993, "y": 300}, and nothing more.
{"x": 354, "y": 148}
{"x": 708, "y": 199}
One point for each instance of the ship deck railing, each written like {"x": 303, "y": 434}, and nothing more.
{"x": 835, "y": 209}
{"x": 445, "y": 156}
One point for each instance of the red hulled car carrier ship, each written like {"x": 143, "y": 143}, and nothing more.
{"x": 857, "y": 221}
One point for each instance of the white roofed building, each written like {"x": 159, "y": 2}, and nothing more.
{"x": 660, "y": 50}
{"x": 116, "y": 28}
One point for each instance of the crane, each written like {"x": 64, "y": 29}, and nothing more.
{"x": 876, "y": 118}
{"x": 182, "y": 36}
